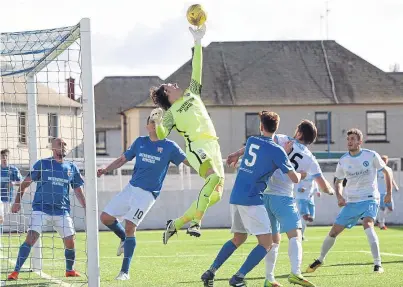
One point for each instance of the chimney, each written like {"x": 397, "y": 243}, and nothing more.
{"x": 70, "y": 88}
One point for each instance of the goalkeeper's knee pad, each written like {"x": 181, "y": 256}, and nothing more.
{"x": 211, "y": 183}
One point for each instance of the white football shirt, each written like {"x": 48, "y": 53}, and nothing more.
{"x": 310, "y": 188}
{"x": 361, "y": 174}
{"x": 301, "y": 158}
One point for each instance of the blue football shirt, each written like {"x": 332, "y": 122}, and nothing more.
{"x": 9, "y": 174}
{"x": 152, "y": 162}
{"x": 262, "y": 157}
{"x": 53, "y": 185}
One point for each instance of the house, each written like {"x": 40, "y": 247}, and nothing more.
{"x": 112, "y": 95}
{"x": 317, "y": 80}
{"x": 58, "y": 116}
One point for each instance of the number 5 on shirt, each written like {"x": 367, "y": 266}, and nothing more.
{"x": 253, "y": 154}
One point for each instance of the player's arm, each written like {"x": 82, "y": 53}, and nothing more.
{"x": 233, "y": 158}
{"x": 294, "y": 176}
{"x": 324, "y": 185}
{"x": 283, "y": 163}
{"x": 379, "y": 164}
{"x": 77, "y": 184}
{"x": 78, "y": 191}
{"x": 128, "y": 155}
{"x": 197, "y": 61}
{"x": 120, "y": 161}
{"x": 388, "y": 180}
{"x": 340, "y": 176}
{"x": 34, "y": 175}
{"x": 17, "y": 178}
{"x": 164, "y": 122}
{"x": 23, "y": 186}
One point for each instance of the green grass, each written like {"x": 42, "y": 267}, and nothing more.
{"x": 184, "y": 259}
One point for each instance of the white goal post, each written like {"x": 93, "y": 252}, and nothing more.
{"x": 45, "y": 49}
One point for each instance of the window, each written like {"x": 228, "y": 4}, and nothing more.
{"x": 22, "y": 127}
{"x": 376, "y": 126}
{"x": 101, "y": 142}
{"x": 53, "y": 126}
{"x": 323, "y": 122}
{"x": 252, "y": 125}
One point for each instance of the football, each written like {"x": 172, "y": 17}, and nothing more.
{"x": 196, "y": 15}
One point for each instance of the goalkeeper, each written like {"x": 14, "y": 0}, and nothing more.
{"x": 185, "y": 111}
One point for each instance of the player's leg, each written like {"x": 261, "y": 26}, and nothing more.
{"x": 368, "y": 224}
{"x": 382, "y": 212}
{"x": 387, "y": 209}
{"x": 257, "y": 223}
{"x": 129, "y": 246}
{"x": 304, "y": 211}
{"x": 116, "y": 208}
{"x": 240, "y": 236}
{"x": 347, "y": 218}
{"x": 203, "y": 157}
{"x": 38, "y": 219}
{"x": 140, "y": 202}
{"x": 65, "y": 228}
{"x": 271, "y": 257}
{"x": 286, "y": 212}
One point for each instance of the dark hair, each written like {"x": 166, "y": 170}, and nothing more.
{"x": 308, "y": 131}
{"x": 160, "y": 98}
{"x": 5, "y": 151}
{"x": 270, "y": 121}
{"x": 356, "y": 132}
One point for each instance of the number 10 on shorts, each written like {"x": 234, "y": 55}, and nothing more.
{"x": 138, "y": 214}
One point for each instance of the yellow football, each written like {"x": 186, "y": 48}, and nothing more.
{"x": 196, "y": 15}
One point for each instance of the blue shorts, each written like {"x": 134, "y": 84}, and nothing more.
{"x": 383, "y": 205}
{"x": 283, "y": 213}
{"x": 354, "y": 211}
{"x": 306, "y": 207}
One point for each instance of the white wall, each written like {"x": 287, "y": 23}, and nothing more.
{"x": 113, "y": 143}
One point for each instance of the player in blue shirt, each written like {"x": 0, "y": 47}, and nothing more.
{"x": 249, "y": 216}
{"x": 385, "y": 208}
{"x": 10, "y": 177}
{"x": 153, "y": 157}
{"x": 51, "y": 204}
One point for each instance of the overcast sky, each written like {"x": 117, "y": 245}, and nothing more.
{"x": 150, "y": 37}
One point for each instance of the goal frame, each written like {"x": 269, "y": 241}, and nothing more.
{"x": 82, "y": 31}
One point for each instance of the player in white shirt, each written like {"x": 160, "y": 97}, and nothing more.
{"x": 361, "y": 200}
{"x": 385, "y": 208}
{"x": 305, "y": 192}
{"x": 280, "y": 204}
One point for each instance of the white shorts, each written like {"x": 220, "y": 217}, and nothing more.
{"x": 251, "y": 219}
{"x": 63, "y": 224}
{"x": 5, "y": 208}
{"x": 132, "y": 203}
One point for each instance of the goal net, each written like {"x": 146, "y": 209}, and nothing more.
{"x": 46, "y": 93}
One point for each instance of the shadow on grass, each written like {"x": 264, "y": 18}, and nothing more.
{"x": 361, "y": 264}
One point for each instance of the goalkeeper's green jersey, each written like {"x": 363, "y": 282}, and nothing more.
{"x": 188, "y": 114}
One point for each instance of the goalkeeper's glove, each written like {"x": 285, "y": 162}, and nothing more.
{"x": 198, "y": 33}
{"x": 156, "y": 115}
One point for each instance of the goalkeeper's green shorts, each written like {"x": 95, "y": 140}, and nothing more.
{"x": 203, "y": 154}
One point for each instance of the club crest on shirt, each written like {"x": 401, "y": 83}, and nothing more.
{"x": 202, "y": 154}
{"x": 365, "y": 163}
{"x": 160, "y": 149}
{"x": 68, "y": 172}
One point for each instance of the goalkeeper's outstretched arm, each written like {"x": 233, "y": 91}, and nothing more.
{"x": 197, "y": 61}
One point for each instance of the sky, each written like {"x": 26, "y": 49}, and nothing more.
{"x": 151, "y": 37}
